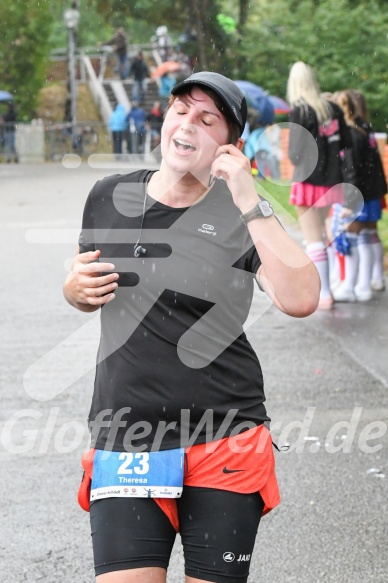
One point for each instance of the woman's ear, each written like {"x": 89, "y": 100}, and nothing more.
{"x": 240, "y": 144}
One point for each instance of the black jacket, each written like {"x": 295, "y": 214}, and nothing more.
{"x": 370, "y": 177}
{"x": 331, "y": 138}
{"x": 139, "y": 69}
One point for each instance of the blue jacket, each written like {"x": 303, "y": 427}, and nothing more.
{"x": 139, "y": 117}
{"x": 117, "y": 120}
{"x": 166, "y": 84}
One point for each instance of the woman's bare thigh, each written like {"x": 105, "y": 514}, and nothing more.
{"x": 143, "y": 575}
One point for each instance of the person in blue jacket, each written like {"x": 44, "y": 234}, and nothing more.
{"x": 136, "y": 120}
{"x": 118, "y": 125}
{"x": 258, "y": 148}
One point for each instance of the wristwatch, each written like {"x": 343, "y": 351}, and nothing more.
{"x": 262, "y": 210}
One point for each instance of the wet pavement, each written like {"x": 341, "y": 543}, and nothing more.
{"x": 326, "y": 381}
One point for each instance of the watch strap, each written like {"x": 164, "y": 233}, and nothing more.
{"x": 263, "y": 210}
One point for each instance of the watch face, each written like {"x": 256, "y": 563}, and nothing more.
{"x": 266, "y": 208}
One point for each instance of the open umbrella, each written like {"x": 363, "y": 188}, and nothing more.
{"x": 5, "y": 96}
{"x": 164, "y": 68}
{"x": 279, "y": 105}
{"x": 258, "y": 99}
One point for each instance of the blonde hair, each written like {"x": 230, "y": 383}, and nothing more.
{"x": 303, "y": 90}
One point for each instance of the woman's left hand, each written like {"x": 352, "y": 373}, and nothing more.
{"x": 235, "y": 168}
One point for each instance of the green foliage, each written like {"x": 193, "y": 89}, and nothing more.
{"x": 141, "y": 18}
{"x": 24, "y": 50}
{"x": 93, "y": 25}
{"x": 227, "y": 22}
{"x": 346, "y": 46}
{"x": 345, "y": 41}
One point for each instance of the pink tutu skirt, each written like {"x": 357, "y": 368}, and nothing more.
{"x": 305, "y": 194}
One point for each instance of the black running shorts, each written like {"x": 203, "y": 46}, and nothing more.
{"x": 217, "y": 527}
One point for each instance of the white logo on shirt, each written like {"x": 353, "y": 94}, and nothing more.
{"x": 209, "y": 229}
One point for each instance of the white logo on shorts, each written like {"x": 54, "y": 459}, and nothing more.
{"x": 228, "y": 557}
{"x": 244, "y": 558}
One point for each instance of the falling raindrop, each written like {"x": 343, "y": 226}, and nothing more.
{"x": 315, "y": 447}
{"x": 376, "y": 473}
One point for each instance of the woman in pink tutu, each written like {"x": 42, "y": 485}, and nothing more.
{"x": 318, "y": 133}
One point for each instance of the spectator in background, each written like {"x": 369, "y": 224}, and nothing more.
{"x": 164, "y": 43}
{"x": 273, "y": 134}
{"x": 377, "y": 282}
{"x": 257, "y": 147}
{"x": 315, "y": 182}
{"x": 135, "y": 122}
{"x": 118, "y": 125}
{"x": 9, "y": 119}
{"x": 140, "y": 72}
{"x": 120, "y": 45}
{"x": 362, "y": 232}
{"x": 186, "y": 67}
{"x": 167, "y": 82}
{"x": 155, "y": 122}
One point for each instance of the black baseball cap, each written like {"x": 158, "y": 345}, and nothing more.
{"x": 226, "y": 89}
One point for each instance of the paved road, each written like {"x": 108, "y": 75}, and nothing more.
{"x": 321, "y": 372}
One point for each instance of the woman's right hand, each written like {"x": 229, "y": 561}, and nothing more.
{"x": 85, "y": 287}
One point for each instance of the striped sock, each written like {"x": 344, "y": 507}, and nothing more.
{"x": 318, "y": 254}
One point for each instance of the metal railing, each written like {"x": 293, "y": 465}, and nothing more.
{"x": 86, "y": 139}
{"x": 36, "y": 142}
{"x": 8, "y": 150}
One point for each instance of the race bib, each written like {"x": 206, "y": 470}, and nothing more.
{"x": 156, "y": 474}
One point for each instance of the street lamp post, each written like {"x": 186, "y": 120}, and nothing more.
{"x": 71, "y": 18}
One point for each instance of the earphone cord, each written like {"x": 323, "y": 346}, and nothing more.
{"x": 137, "y": 249}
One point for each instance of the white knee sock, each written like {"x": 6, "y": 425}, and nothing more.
{"x": 378, "y": 256}
{"x": 351, "y": 263}
{"x": 365, "y": 265}
{"x": 317, "y": 253}
{"x": 334, "y": 268}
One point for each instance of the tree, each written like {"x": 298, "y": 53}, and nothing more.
{"x": 209, "y": 40}
{"x": 24, "y": 50}
{"x": 346, "y": 46}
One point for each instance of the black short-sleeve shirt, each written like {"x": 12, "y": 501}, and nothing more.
{"x": 174, "y": 366}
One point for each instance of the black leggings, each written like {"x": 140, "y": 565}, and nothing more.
{"x": 218, "y": 531}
